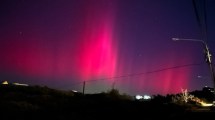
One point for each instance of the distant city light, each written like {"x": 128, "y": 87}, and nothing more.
{"x": 74, "y": 91}
{"x": 19, "y": 84}
{"x": 138, "y": 97}
{"x": 146, "y": 97}
{"x": 206, "y": 104}
{"x": 5, "y": 83}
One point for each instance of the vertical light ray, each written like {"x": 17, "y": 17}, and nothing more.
{"x": 97, "y": 52}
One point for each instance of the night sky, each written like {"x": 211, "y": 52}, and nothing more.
{"x": 61, "y": 43}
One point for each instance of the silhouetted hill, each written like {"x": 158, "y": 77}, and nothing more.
{"x": 206, "y": 94}
{"x": 35, "y": 102}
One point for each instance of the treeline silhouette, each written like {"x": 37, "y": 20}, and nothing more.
{"x": 36, "y": 102}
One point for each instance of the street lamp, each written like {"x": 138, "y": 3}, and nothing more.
{"x": 207, "y": 55}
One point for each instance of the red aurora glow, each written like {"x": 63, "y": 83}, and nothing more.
{"x": 97, "y": 51}
{"x": 61, "y": 43}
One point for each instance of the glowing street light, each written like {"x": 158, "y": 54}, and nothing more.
{"x": 207, "y": 55}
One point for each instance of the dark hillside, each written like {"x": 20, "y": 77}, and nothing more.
{"x": 35, "y": 102}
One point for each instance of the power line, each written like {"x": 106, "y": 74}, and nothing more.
{"x": 196, "y": 13}
{"x": 142, "y": 73}
{"x": 201, "y": 19}
{"x": 155, "y": 71}
{"x": 205, "y": 21}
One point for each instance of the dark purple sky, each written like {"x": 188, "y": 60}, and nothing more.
{"x": 61, "y": 43}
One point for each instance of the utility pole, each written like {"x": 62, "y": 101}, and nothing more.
{"x": 113, "y": 85}
{"x": 207, "y": 58}
{"x": 84, "y": 87}
{"x": 209, "y": 61}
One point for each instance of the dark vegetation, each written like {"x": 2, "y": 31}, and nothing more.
{"x": 35, "y": 102}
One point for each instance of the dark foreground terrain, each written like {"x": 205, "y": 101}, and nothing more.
{"x": 35, "y": 103}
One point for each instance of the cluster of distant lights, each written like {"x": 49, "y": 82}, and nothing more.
{"x": 17, "y": 84}
{"x": 137, "y": 97}
{"x": 211, "y": 90}
{"x": 144, "y": 97}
